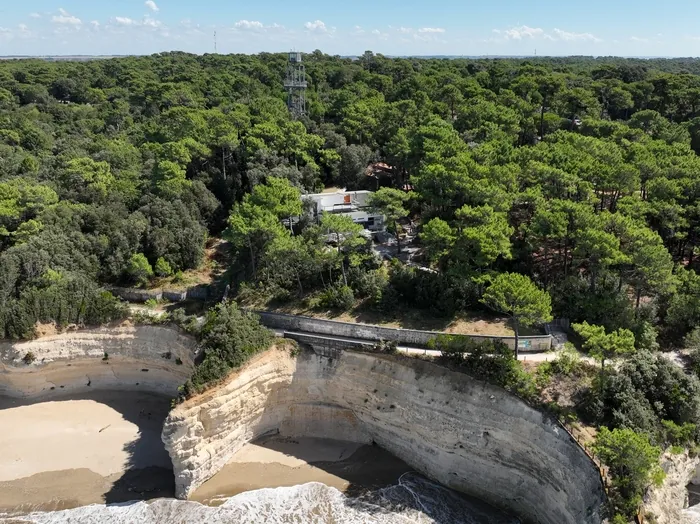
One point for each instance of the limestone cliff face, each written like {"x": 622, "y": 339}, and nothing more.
{"x": 668, "y": 501}
{"x": 466, "y": 434}
{"x": 139, "y": 357}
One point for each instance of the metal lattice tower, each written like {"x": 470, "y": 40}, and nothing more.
{"x": 295, "y": 84}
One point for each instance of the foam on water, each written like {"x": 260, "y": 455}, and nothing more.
{"x": 413, "y": 500}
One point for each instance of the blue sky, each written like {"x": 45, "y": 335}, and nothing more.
{"x": 394, "y": 27}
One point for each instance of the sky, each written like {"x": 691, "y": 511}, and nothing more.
{"x": 391, "y": 27}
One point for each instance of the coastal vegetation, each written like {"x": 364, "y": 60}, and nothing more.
{"x": 536, "y": 188}
{"x": 227, "y": 339}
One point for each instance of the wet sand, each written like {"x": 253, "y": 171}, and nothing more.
{"x": 277, "y": 461}
{"x": 79, "y": 449}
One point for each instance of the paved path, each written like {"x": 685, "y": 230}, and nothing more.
{"x": 409, "y": 350}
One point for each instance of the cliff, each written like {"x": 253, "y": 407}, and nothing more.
{"x": 668, "y": 501}
{"x": 464, "y": 433}
{"x": 151, "y": 358}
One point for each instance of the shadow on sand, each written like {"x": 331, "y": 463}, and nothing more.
{"x": 376, "y": 482}
{"x": 148, "y": 470}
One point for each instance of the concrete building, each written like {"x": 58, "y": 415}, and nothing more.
{"x": 349, "y": 203}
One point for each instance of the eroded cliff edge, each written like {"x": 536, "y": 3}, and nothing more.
{"x": 464, "y": 433}
{"x": 149, "y": 358}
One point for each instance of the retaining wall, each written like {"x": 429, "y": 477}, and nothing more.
{"x": 200, "y": 292}
{"x": 410, "y": 337}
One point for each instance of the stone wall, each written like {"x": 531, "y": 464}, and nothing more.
{"x": 411, "y": 337}
{"x": 151, "y": 358}
{"x": 200, "y": 292}
{"x": 466, "y": 434}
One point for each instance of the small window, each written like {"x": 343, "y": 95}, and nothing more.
{"x": 346, "y": 199}
{"x": 370, "y": 221}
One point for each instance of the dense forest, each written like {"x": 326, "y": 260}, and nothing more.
{"x": 540, "y": 188}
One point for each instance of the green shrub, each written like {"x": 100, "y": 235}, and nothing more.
{"x": 692, "y": 343}
{"x": 633, "y": 464}
{"x": 337, "y": 297}
{"x": 228, "y": 338}
{"x": 151, "y": 303}
{"x": 679, "y": 435}
{"x": 544, "y": 374}
{"x": 452, "y": 346}
{"x": 427, "y": 290}
{"x": 162, "y": 268}
{"x": 138, "y": 269}
{"x": 70, "y": 299}
{"x": 568, "y": 361}
{"x": 386, "y": 346}
{"x": 645, "y": 390}
{"x": 367, "y": 284}
{"x": 491, "y": 360}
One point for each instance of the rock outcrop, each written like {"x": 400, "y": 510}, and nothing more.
{"x": 668, "y": 501}
{"x": 464, "y": 433}
{"x": 150, "y": 358}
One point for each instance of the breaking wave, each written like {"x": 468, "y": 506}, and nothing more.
{"x": 413, "y": 500}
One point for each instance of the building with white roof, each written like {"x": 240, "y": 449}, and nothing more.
{"x": 349, "y": 203}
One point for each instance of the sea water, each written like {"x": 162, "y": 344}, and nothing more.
{"x": 413, "y": 499}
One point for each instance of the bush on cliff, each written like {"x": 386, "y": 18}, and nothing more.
{"x": 634, "y": 464}
{"x": 63, "y": 298}
{"x": 228, "y": 338}
{"x": 645, "y": 391}
{"x": 489, "y": 360}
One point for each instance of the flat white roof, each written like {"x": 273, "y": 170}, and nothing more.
{"x": 340, "y": 199}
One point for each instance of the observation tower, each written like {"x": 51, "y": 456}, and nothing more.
{"x": 295, "y": 85}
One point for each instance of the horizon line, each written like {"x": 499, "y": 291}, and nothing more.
{"x": 481, "y": 56}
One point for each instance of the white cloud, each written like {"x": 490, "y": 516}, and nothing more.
{"x": 152, "y": 6}
{"x": 518, "y": 33}
{"x": 405, "y": 30}
{"x": 147, "y": 22}
{"x": 571, "y": 37}
{"x": 150, "y": 22}
{"x": 638, "y": 39}
{"x": 317, "y": 26}
{"x": 34, "y": 15}
{"x": 65, "y": 18}
{"x": 23, "y": 27}
{"x": 431, "y": 30}
{"x": 378, "y": 34}
{"x": 253, "y": 25}
{"x": 527, "y": 32}
{"x": 123, "y": 20}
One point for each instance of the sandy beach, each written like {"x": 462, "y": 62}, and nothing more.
{"x": 99, "y": 447}
{"x": 105, "y": 447}
{"x": 277, "y": 461}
